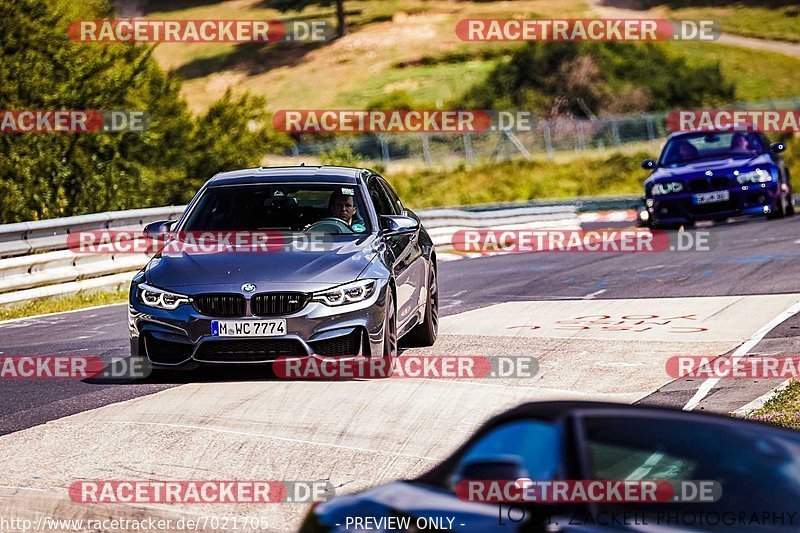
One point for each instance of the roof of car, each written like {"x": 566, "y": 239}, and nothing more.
{"x": 309, "y": 174}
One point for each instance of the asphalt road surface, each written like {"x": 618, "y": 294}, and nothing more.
{"x": 601, "y": 326}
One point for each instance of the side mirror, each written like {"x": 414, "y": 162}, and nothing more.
{"x": 648, "y": 164}
{"x": 777, "y": 148}
{"x": 159, "y": 227}
{"x": 495, "y": 468}
{"x": 398, "y": 225}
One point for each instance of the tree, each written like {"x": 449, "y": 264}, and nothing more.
{"x": 46, "y": 175}
{"x": 299, "y": 5}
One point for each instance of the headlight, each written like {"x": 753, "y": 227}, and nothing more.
{"x": 753, "y": 176}
{"x": 666, "y": 188}
{"x": 160, "y": 299}
{"x": 346, "y": 294}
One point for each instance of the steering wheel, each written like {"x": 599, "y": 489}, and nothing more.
{"x": 329, "y": 225}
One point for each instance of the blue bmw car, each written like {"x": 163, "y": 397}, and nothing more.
{"x": 708, "y": 175}
{"x": 367, "y": 279}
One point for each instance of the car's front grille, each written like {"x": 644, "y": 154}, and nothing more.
{"x": 715, "y": 207}
{"x": 708, "y": 184}
{"x": 338, "y": 346}
{"x": 166, "y": 352}
{"x": 243, "y": 350}
{"x": 220, "y": 304}
{"x": 278, "y": 303}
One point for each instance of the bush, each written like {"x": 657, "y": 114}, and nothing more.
{"x": 570, "y": 77}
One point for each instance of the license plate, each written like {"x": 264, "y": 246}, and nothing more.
{"x": 248, "y": 328}
{"x": 711, "y": 197}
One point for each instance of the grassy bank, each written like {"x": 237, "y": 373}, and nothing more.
{"x": 522, "y": 180}
{"x": 783, "y": 409}
{"x": 43, "y": 306}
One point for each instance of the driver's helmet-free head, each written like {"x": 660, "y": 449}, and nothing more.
{"x": 686, "y": 151}
{"x": 739, "y": 142}
{"x": 342, "y": 204}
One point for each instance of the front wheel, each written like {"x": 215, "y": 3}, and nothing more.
{"x": 426, "y": 332}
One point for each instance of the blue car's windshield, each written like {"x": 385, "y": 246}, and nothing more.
{"x": 318, "y": 208}
{"x": 695, "y": 146}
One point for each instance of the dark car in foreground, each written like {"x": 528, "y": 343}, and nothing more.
{"x": 357, "y": 272}
{"x": 710, "y": 175}
{"x": 754, "y": 467}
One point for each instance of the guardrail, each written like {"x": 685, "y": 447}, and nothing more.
{"x": 35, "y": 261}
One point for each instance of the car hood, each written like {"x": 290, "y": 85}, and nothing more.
{"x": 718, "y": 166}
{"x": 340, "y": 263}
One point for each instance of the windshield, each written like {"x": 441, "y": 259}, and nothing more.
{"x": 694, "y": 146}
{"x": 318, "y": 208}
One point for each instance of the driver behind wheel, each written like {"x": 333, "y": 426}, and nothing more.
{"x": 342, "y": 205}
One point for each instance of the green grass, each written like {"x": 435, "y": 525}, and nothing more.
{"x": 56, "y": 305}
{"x": 431, "y": 86}
{"x": 522, "y": 180}
{"x": 758, "y": 75}
{"x": 783, "y": 409}
{"x": 779, "y": 23}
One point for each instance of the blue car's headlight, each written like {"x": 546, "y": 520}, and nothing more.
{"x": 754, "y": 176}
{"x": 159, "y": 298}
{"x": 666, "y": 187}
{"x": 346, "y": 294}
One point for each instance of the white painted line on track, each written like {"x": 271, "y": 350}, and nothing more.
{"x": 262, "y": 435}
{"x": 740, "y": 352}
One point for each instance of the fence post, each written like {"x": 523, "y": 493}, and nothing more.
{"x": 548, "y": 139}
{"x": 468, "y": 153}
{"x": 651, "y": 133}
{"x": 615, "y": 132}
{"x": 295, "y": 151}
{"x": 384, "y": 149}
{"x": 426, "y": 149}
{"x": 581, "y": 138}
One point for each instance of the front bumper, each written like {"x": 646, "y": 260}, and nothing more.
{"x": 757, "y": 199}
{"x": 182, "y": 337}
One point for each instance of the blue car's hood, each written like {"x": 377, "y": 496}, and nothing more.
{"x": 718, "y": 166}
{"x": 341, "y": 263}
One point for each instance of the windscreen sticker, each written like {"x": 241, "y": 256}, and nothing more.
{"x": 348, "y": 192}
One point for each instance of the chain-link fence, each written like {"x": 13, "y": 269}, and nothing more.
{"x": 542, "y": 138}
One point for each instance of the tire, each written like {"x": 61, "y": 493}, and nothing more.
{"x": 425, "y": 333}
{"x": 780, "y": 210}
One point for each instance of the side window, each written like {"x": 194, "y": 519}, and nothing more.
{"x": 527, "y": 448}
{"x": 397, "y": 206}
{"x": 379, "y": 197}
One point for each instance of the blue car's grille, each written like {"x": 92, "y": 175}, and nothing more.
{"x": 278, "y": 303}
{"x": 708, "y": 184}
{"x": 220, "y": 304}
